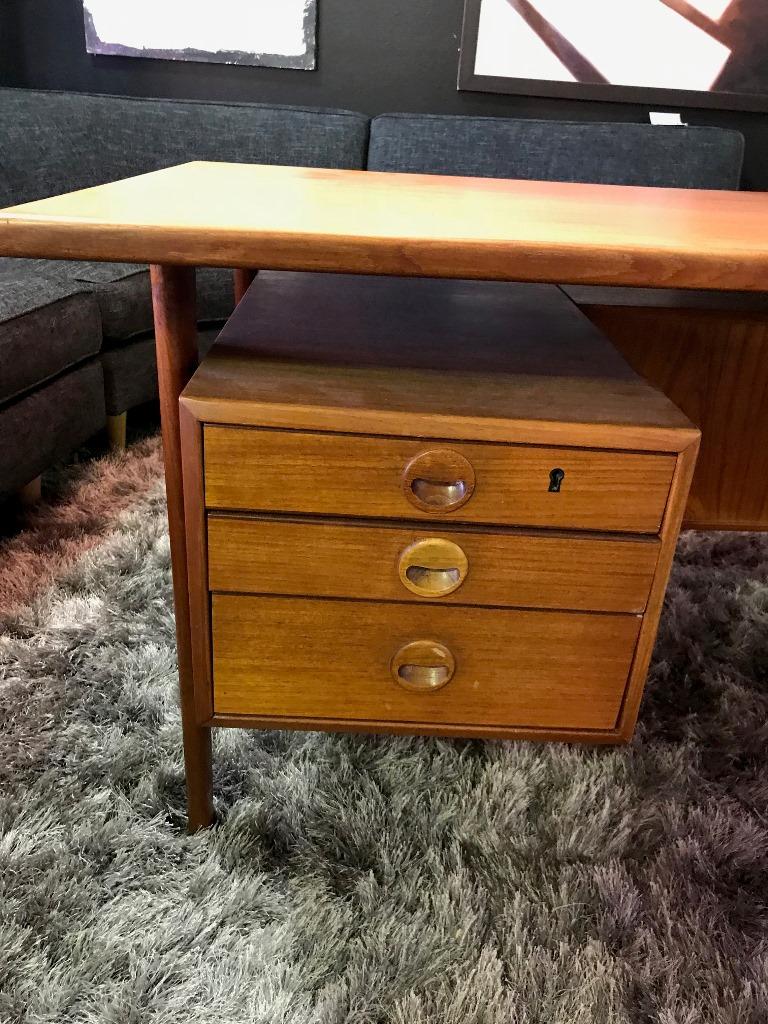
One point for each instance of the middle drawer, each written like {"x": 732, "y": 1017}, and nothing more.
{"x": 460, "y": 566}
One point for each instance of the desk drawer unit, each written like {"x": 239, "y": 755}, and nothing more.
{"x": 342, "y": 576}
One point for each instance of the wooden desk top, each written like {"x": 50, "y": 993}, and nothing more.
{"x": 241, "y": 215}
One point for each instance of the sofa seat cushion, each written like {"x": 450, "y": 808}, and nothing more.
{"x": 121, "y": 290}
{"x": 46, "y": 326}
{"x": 126, "y": 300}
{"x": 130, "y": 369}
{"x": 53, "y": 421}
{"x": 123, "y": 293}
{"x": 615, "y": 153}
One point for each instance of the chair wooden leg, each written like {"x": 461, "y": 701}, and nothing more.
{"x": 173, "y": 296}
{"x": 31, "y": 493}
{"x": 116, "y": 431}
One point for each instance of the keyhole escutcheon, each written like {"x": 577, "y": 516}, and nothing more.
{"x": 556, "y": 478}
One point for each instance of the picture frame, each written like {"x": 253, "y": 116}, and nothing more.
{"x": 238, "y": 35}
{"x": 470, "y": 80}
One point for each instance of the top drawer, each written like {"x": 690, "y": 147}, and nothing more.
{"x": 355, "y": 475}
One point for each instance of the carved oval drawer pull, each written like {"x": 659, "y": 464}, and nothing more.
{"x": 423, "y": 666}
{"x": 438, "y": 480}
{"x": 432, "y": 567}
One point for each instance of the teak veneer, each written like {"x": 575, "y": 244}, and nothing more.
{"x": 361, "y": 475}
{"x": 713, "y": 364}
{"x": 456, "y": 517}
{"x": 241, "y": 215}
{"x": 523, "y": 568}
{"x": 318, "y": 660}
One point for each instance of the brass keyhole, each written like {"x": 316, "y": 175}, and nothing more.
{"x": 556, "y": 477}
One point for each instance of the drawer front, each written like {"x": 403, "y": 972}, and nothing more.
{"x": 336, "y": 659}
{"x": 334, "y": 474}
{"x": 395, "y": 563}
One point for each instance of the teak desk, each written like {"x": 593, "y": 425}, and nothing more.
{"x": 240, "y": 216}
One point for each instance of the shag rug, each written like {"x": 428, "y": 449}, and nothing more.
{"x": 366, "y": 879}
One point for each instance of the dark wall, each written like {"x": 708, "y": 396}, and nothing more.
{"x": 11, "y": 53}
{"x": 374, "y": 55}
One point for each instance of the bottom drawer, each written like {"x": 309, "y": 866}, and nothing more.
{"x": 364, "y": 661}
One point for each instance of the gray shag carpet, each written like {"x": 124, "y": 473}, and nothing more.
{"x": 366, "y": 879}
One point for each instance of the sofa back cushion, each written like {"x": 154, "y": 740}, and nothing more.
{"x": 608, "y": 154}
{"x": 56, "y": 142}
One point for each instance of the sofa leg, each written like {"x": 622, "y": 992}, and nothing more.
{"x": 116, "y": 427}
{"x": 31, "y": 493}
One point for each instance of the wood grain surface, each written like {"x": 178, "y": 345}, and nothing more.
{"x": 343, "y": 475}
{"x": 670, "y": 531}
{"x": 285, "y": 656}
{"x": 480, "y": 360}
{"x": 590, "y": 737}
{"x": 336, "y": 559}
{"x": 714, "y": 365}
{"x": 197, "y": 559}
{"x": 173, "y": 298}
{"x": 240, "y": 215}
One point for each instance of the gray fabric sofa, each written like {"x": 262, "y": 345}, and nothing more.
{"x": 76, "y": 341}
{"x": 604, "y": 154}
{"x": 84, "y": 329}
{"x": 51, "y": 382}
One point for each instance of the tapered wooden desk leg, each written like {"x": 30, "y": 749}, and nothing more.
{"x": 173, "y": 297}
{"x": 243, "y": 281}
